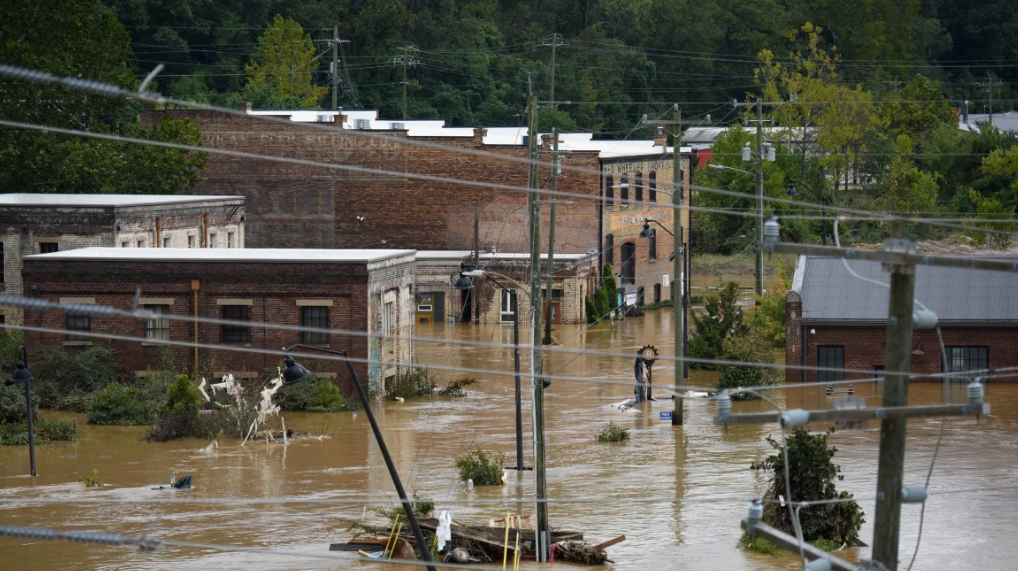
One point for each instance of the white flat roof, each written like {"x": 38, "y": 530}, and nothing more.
{"x": 104, "y": 200}
{"x": 443, "y": 254}
{"x": 281, "y": 255}
{"x": 509, "y": 256}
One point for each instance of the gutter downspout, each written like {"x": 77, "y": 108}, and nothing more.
{"x": 805, "y": 352}
{"x": 205, "y": 230}
{"x": 195, "y": 286}
{"x": 159, "y": 233}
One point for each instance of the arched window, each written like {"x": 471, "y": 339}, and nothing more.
{"x": 609, "y": 249}
{"x": 609, "y": 191}
{"x": 639, "y": 187}
{"x": 652, "y": 191}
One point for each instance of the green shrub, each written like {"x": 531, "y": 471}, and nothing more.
{"x": 748, "y": 348}
{"x": 613, "y": 433}
{"x": 91, "y": 481}
{"x": 757, "y": 545}
{"x": 316, "y": 394}
{"x": 590, "y": 309}
{"x": 182, "y": 396}
{"x": 720, "y": 319}
{"x": 455, "y": 388}
{"x": 768, "y": 318}
{"x": 16, "y": 434}
{"x": 422, "y": 508}
{"x": 484, "y": 470}
{"x": 826, "y": 544}
{"x": 410, "y": 383}
{"x": 813, "y": 477}
{"x": 179, "y": 416}
{"x": 118, "y": 405}
{"x": 66, "y": 379}
{"x": 12, "y": 404}
{"x": 10, "y": 341}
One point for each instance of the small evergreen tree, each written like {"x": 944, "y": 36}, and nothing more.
{"x": 722, "y": 318}
{"x": 611, "y": 290}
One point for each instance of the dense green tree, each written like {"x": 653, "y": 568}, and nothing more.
{"x": 80, "y": 38}
{"x": 283, "y": 62}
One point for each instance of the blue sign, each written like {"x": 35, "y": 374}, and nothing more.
{"x": 665, "y": 416}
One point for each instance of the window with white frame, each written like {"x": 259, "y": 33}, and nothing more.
{"x": 158, "y": 328}
{"x": 166, "y": 242}
{"x": 212, "y": 240}
{"x": 508, "y": 307}
{"x": 190, "y": 241}
{"x": 229, "y": 240}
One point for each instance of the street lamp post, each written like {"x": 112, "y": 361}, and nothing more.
{"x": 791, "y": 191}
{"x": 21, "y": 375}
{"x": 464, "y": 282}
{"x": 295, "y": 373}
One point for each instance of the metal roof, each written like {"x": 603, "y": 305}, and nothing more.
{"x": 278, "y": 255}
{"x": 831, "y": 295}
{"x": 105, "y": 200}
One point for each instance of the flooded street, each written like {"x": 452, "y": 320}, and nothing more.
{"x": 677, "y": 494}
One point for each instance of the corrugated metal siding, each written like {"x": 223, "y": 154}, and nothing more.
{"x": 831, "y": 294}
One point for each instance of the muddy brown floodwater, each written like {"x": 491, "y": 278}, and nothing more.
{"x": 677, "y": 494}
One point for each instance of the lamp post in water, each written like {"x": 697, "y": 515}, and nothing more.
{"x": 21, "y": 375}
{"x": 295, "y": 373}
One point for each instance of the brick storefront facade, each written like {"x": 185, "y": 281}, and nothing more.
{"x": 30, "y": 223}
{"x": 354, "y": 287}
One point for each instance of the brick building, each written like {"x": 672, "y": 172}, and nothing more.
{"x": 835, "y": 320}
{"x": 41, "y": 223}
{"x": 358, "y": 290}
{"x": 437, "y": 300}
{"x": 299, "y": 206}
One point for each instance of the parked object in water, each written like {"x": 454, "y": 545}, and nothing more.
{"x": 181, "y": 484}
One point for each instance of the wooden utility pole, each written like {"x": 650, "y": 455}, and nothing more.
{"x": 759, "y": 197}
{"x": 679, "y": 308}
{"x": 898, "y": 363}
{"x": 536, "y": 355}
{"x": 551, "y": 237}
{"x": 555, "y": 41}
{"x": 335, "y": 67}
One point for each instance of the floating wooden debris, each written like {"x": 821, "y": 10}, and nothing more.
{"x": 586, "y": 553}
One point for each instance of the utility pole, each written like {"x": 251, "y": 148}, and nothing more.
{"x": 477, "y": 261}
{"x": 555, "y": 171}
{"x": 898, "y": 363}
{"x": 553, "y": 42}
{"x": 536, "y": 357}
{"x": 759, "y": 197}
{"x": 335, "y": 67}
{"x": 407, "y": 58}
{"x": 679, "y": 308}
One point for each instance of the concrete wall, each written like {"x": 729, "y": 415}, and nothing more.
{"x": 273, "y": 291}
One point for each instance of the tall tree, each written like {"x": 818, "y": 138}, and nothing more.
{"x": 283, "y": 63}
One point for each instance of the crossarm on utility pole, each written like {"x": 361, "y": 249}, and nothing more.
{"x": 789, "y": 543}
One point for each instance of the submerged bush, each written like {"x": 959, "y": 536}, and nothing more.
{"x": 316, "y": 394}
{"x": 66, "y": 379}
{"x": 16, "y": 434}
{"x": 455, "y": 388}
{"x": 757, "y": 545}
{"x": 422, "y": 508}
{"x": 613, "y": 433}
{"x": 118, "y": 405}
{"x": 12, "y": 404}
{"x": 750, "y": 347}
{"x": 179, "y": 416}
{"x": 484, "y": 470}
{"x": 410, "y": 383}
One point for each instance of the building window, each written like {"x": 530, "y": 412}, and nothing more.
{"x": 657, "y": 293}
{"x": 831, "y": 357}
{"x": 652, "y": 187}
{"x": 362, "y": 124}
{"x": 158, "y": 328}
{"x": 212, "y": 240}
{"x": 639, "y": 187}
{"x": 397, "y": 126}
{"x": 141, "y": 243}
{"x": 235, "y": 333}
{"x": 640, "y": 299}
{"x": 652, "y": 245}
{"x": 609, "y": 191}
{"x": 166, "y": 242}
{"x": 555, "y": 293}
{"x": 389, "y": 325}
{"x": 48, "y": 247}
{"x": 125, "y": 244}
{"x": 81, "y": 325}
{"x": 628, "y": 263}
{"x": 229, "y": 240}
{"x": 317, "y": 317}
{"x": 624, "y": 194}
{"x": 961, "y": 359}
{"x": 508, "y": 305}
{"x": 190, "y": 241}
{"x": 609, "y": 249}
{"x": 2, "y": 263}
{"x": 3, "y": 320}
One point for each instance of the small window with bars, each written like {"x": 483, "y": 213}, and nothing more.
{"x": 235, "y": 333}
{"x": 317, "y": 317}
{"x": 48, "y": 247}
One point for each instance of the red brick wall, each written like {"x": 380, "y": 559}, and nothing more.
{"x": 312, "y": 207}
{"x": 865, "y": 347}
{"x": 273, "y": 288}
